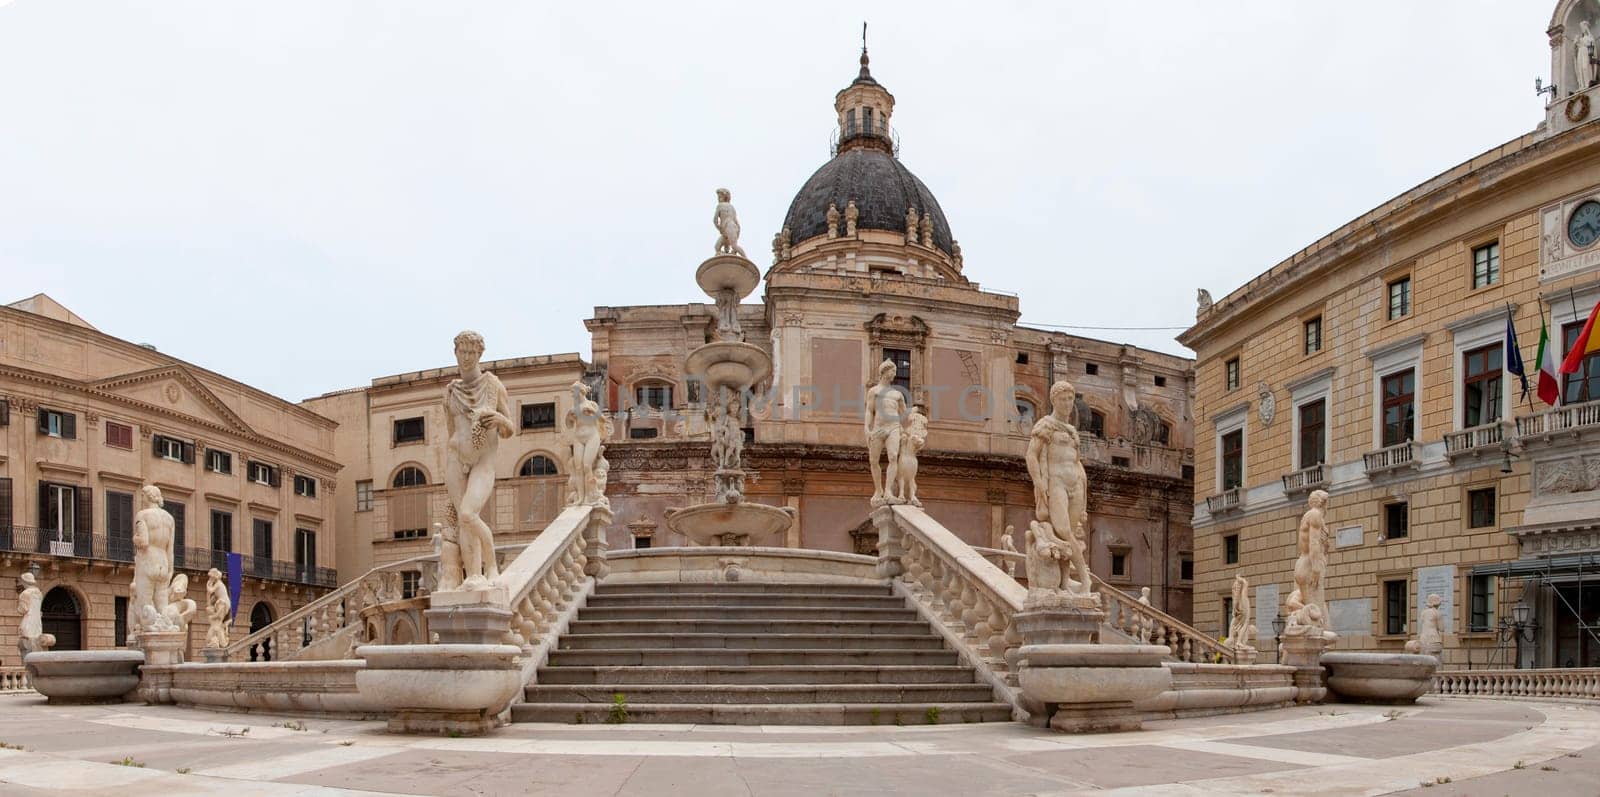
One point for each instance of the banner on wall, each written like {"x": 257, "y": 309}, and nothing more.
{"x": 235, "y": 581}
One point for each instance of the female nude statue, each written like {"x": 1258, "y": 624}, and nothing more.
{"x": 586, "y": 430}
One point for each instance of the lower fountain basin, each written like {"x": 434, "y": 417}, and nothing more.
{"x": 729, "y": 524}
{"x": 729, "y": 364}
{"x": 1379, "y": 677}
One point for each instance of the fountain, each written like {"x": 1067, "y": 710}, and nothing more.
{"x": 727, "y": 368}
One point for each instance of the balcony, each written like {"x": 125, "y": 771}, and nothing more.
{"x": 1476, "y": 441}
{"x": 1572, "y": 421}
{"x": 1306, "y": 479}
{"x": 99, "y": 546}
{"x": 1393, "y": 458}
{"x": 1226, "y": 501}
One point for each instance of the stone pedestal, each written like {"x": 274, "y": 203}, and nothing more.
{"x": 447, "y": 688}
{"x": 470, "y": 616}
{"x": 1304, "y": 653}
{"x": 214, "y": 655}
{"x": 1071, "y": 683}
{"x": 162, "y": 650}
{"x": 84, "y": 676}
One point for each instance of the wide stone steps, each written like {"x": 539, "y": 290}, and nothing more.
{"x": 754, "y": 653}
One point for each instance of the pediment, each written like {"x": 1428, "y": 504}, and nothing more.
{"x": 174, "y": 388}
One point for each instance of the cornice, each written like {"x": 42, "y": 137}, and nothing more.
{"x": 183, "y": 375}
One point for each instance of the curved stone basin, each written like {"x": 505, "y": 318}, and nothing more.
{"x": 719, "y": 524}
{"x": 84, "y": 676}
{"x": 1379, "y": 677}
{"x": 729, "y": 364}
{"x": 727, "y": 273}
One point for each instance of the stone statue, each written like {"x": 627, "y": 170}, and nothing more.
{"x": 152, "y": 562}
{"x": 446, "y": 546}
{"x": 886, "y": 408}
{"x": 1007, "y": 545}
{"x": 586, "y": 429}
{"x": 913, "y": 438}
{"x": 1430, "y": 627}
{"x": 783, "y": 243}
{"x": 955, "y": 253}
{"x": 1203, "y": 300}
{"x": 1060, "y": 497}
{"x": 726, "y": 220}
{"x": 180, "y": 608}
{"x": 911, "y": 225}
{"x": 833, "y": 221}
{"x": 477, "y": 415}
{"x": 31, "y": 636}
{"x": 1307, "y": 615}
{"x": 1146, "y": 625}
{"x": 777, "y": 247}
{"x": 219, "y": 609}
{"x": 1241, "y": 632}
{"x": 927, "y": 229}
{"x": 1584, "y": 54}
{"x": 851, "y": 213}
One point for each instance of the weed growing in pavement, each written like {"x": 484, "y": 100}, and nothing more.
{"x": 182, "y": 770}
{"x": 127, "y": 761}
{"x": 1519, "y": 765}
{"x": 932, "y": 715}
{"x": 618, "y": 714}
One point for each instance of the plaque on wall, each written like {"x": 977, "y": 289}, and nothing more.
{"x": 1266, "y": 609}
{"x": 1347, "y": 537}
{"x": 1351, "y": 616}
{"x": 1439, "y": 580}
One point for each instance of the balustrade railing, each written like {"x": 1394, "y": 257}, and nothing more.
{"x": 1306, "y": 479}
{"x": 15, "y": 679}
{"x": 547, "y": 578}
{"x": 116, "y": 548}
{"x": 1571, "y": 418}
{"x": 1572, "y": 683}
{"x": 1475, "y": 440}
{"x": 1152, "y": 626}
{"x": 1225, "y": 501}
{"x": 1402, "y": 455}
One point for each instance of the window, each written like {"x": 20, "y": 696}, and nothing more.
{"x": 261, "y": 540}
{"x": 305, "y": 553}
{"x": 537, "y": 465}
{"x": 1394, "y": 607}
{"x": 1097, "y": 423}
{"x": 1119, "y": 564}
{"x": 1481, "y": 374}
{"x": 1399, "y": 407}
{"x": 850, "y": 122}
{"x": 58, "y": 424}
{"x": 410, "y": 584}
{"x": 1233, "y": 459}
{"x": 653, "y": 395}
{"x": 902, "y": 367}
{"x": 1583, "y": 384}
{"x": 1481, "y": 614}
{"x": 5, "y": 412}
{"x": 1161, "y": 381}
{"x": 539, "y": 416}
{"x": 410, "y": 534}
{"x": 364, "y": 495}
{"x": 119, "y": 435}
{"x": 1121, "y": 462}
{"x": 410, "y": 430}
{"x": 1163, "y": 434}
{"x": 119, "y": 621}
{"x": 1230, "y": 549}
{"x": 643, "y": 434}
{"x": 58, "y": 515}
{"x": 1186, "y": 568}
{"x": 305, "y": 486}
{"x": 219, "y": 461}
{"x": 119, "y": 526}
{"x": 1091, "y": 368}
{"x": 1227, "y": 616}
{"x": 1231, "y": 375}
{"x": 262, "y": 473}
{"x": 1188, "y": 473}
{"x": 1022, "y": 358}
{"x": 171, "y": 448}
{"x": 221, "y": 531}
{"x": 1396, "y": 520}
{"x": 410, "y": 476}
{"x": 1480, "y": 508}
{"x": 1026, "y": 414}
{"x": 1486, "y": 265}
{"x": 640, "y": 543}
{"x": 1313, "y": 433}
{"x": 1400, "y": 298}
{"x": 1313, "y": 335}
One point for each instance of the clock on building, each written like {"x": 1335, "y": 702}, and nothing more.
{"x": 1583, "y": 228}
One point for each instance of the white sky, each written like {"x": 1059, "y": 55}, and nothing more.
{"x": 307, "y": 195}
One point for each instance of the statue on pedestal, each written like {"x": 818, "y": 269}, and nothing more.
{"x": 180, "y": 607}
{"x": 886, "y": 409}
{"x": 851, "y": 213}
{"x": 1146, "y": 625}
{"x": 726, "y": 220}
{"x": 1056, "y": 538}
{"x": 477, "y": 415}
{"x": 1241, "y": 632}
{"x": 1430, "y": 627}
{"x": 1007, "y": 545}
{"x": 586, "y": 429}
{"x": 1584, "y": 67}
{"x": 219, "y": 609}
{"x": 833, "y": 221}
{"x": 31, "y": 636}
{"x": 926, "y": 225}
{"x": 1307, "y": 614}
{"x": 913, "y": 438}
{"x": 911, "y": 225}
{"x": 152, "y": 565}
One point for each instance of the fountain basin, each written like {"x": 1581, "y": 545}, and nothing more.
{"x": 729, "y": 524}
{"x": 1379, "y": 677}
{"x": 84, "y": 676}
{"x": 727, "y": 273}
{"x": 729, "y": 364}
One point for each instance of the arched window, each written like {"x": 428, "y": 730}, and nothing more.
{"x": 1163, "y": 433}
{"x": 537, "y": 465}
{"x": 1097, "y": 423}
{"x": 61, "y": 616}
{"x": 261, "y": 616}
{"x": 410, "y": 476}
{"x": 1026, "y": 414}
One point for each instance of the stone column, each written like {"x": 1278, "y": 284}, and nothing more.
{"x": 1069, "y": 681}
{"x": 1303, "y": 652}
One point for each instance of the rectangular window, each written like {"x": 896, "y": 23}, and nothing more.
{"x": 305, "y": 554}
{"x": 1161, "y": 381}
{"x": 1313, "y": 433}
{"x": 1186, "y": 568}
{"x": 410, "y": 430}
{"x": 539, "y": 416}
{"x": 653, "y": 396}
{"x": 1091, "y": 368}
{"x": 1481, "y": 508}
{"x": 219, "y": 461}
{"x": 1119, "y": 564}
{"x": 1583, "y": 384}
{"x": 410, "y": 584}
{"x": 640, "y": 543}
{"x": 1481, "y": 617}
{"x": 5, "y": 412}
{"x": 364, "y": 495}
{"x": 1121, "y": 462}
{"x": 262, "y": 473}
{"x": 1394, "y": 607}
{"x": 1230, "y": 549}
{"x": 643, "y": 434}
{"x": 1399, "y": 407}
{"x": 305, "y": 486}
{"x": 1400, "y": 298}
{"x": 1486, "y": 265}
{"x": 119, "y": 621}
{"x": 119, "y": 435}
{"x": 1313, "y": 335}
{"x": 1231, "y": 374}
{"x": 1396, "y": 520}
{"x": 173, "y": 449}
{"x": 1227, "y": 616}
{"x": 1233, "y": 459}
{"x": 119, "y": 526}
{"x": 902, "y": 367}
{"x": 221, "y": 531}
{"x": 58, "y": 517}
{"x": 410, "y": 534}
{"x": 1481, "y": 374}
{"x": 58, "y": 424}
{"x": 261, "y": 540}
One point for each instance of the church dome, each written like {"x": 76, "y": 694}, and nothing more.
{"x": 882, "y": 188}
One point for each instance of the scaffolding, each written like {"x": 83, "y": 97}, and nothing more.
{"x": 1536, "y": 576}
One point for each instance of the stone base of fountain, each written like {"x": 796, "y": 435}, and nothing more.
{"x": 730, "y": 524}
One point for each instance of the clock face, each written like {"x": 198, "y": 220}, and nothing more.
{"x": 1583, "y": 228}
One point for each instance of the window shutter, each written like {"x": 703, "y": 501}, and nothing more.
{"x": 188, "y": 453}
{"x": 155, "y": 446}
{"x": 44, "y": 420}
{"x": 6, "y": 538}
{"x": 5, "y": 413}
{"x": 177, "y": 512}
{"x": 69, "y": 426}
{"x": 42, "y": 543}
{"x": 83, "y": 536}
{"x": 272, "y": 476}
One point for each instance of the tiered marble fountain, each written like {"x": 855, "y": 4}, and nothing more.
{"x": 728, "y": 368}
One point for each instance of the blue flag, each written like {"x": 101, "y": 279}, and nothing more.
{"x": 235, "y": 581}
{"x": 1514, "y": 355}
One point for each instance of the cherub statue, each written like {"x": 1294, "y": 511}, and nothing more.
{"x": 181, "y": 608}
{"x": 913, "y": 438}
{"x": 219, "y": 609}
{"x": 726, "y": 220}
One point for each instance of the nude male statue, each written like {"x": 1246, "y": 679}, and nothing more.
{"x": 477, "y": 415}
{"x": 886, "y": 409}
{"x": 726, "y": 220}
{"x": 152, "y": 560}
{"x": 1060, "y": 489}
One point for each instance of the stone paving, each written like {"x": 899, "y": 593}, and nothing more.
{"x": 1438, "y": 747}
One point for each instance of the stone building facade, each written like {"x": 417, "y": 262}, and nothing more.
{"x": 1373, "y": 364}
{"x": 87, "y": 418}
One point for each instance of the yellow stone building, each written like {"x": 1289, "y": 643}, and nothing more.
{"x": 1373, "y": 364}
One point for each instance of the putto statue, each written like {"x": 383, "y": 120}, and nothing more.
{"x": 886, "y": 409}
{"x": 1056, "y": 537}
{"x": 726, "y": 220}
{"x": 851, "y": 213}
{"x": 1307, "y": 614}
{"x": 180, "y": 608}
{"x": 477, "y": 414}
{"x": 913, "y": 438}
{"x": 1241, "y": 632}
{"x": 152, "y": 565}
{"x": 31, "y": 636}
{"x": 586, "y": 429}
{"x": 219, "y": 609}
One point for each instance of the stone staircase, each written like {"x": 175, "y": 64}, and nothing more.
{"x": 754, "y": 653}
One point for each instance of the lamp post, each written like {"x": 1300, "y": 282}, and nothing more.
{"x": 1520, "y": 628}
{"x": 1278, "y": 624}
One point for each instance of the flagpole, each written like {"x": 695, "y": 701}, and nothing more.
{"x": 1572, "y": 298}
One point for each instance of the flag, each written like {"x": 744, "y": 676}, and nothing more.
{"x": 1514, "y": 354}
{"x": 1586, "y": 344}
{"x": 235, "y": 580}
{"x": 1549, "y": 385}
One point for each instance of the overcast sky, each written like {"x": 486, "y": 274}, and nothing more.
{"x": 307, "y": 195}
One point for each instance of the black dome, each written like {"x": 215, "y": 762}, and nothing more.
{"x": 881, "y": 187}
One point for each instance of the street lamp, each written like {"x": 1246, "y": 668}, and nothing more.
{"x": 1278, "y": 624}
{"x": 1520, "y": 628}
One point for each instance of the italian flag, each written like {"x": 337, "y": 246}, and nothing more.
{"x": 1549, "y": 384}
{"x": 1586, "y": 344}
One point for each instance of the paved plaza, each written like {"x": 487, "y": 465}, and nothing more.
{"x": 1437, "y": 747}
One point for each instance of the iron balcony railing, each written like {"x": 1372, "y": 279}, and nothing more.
{"x": 98, "y": 545}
